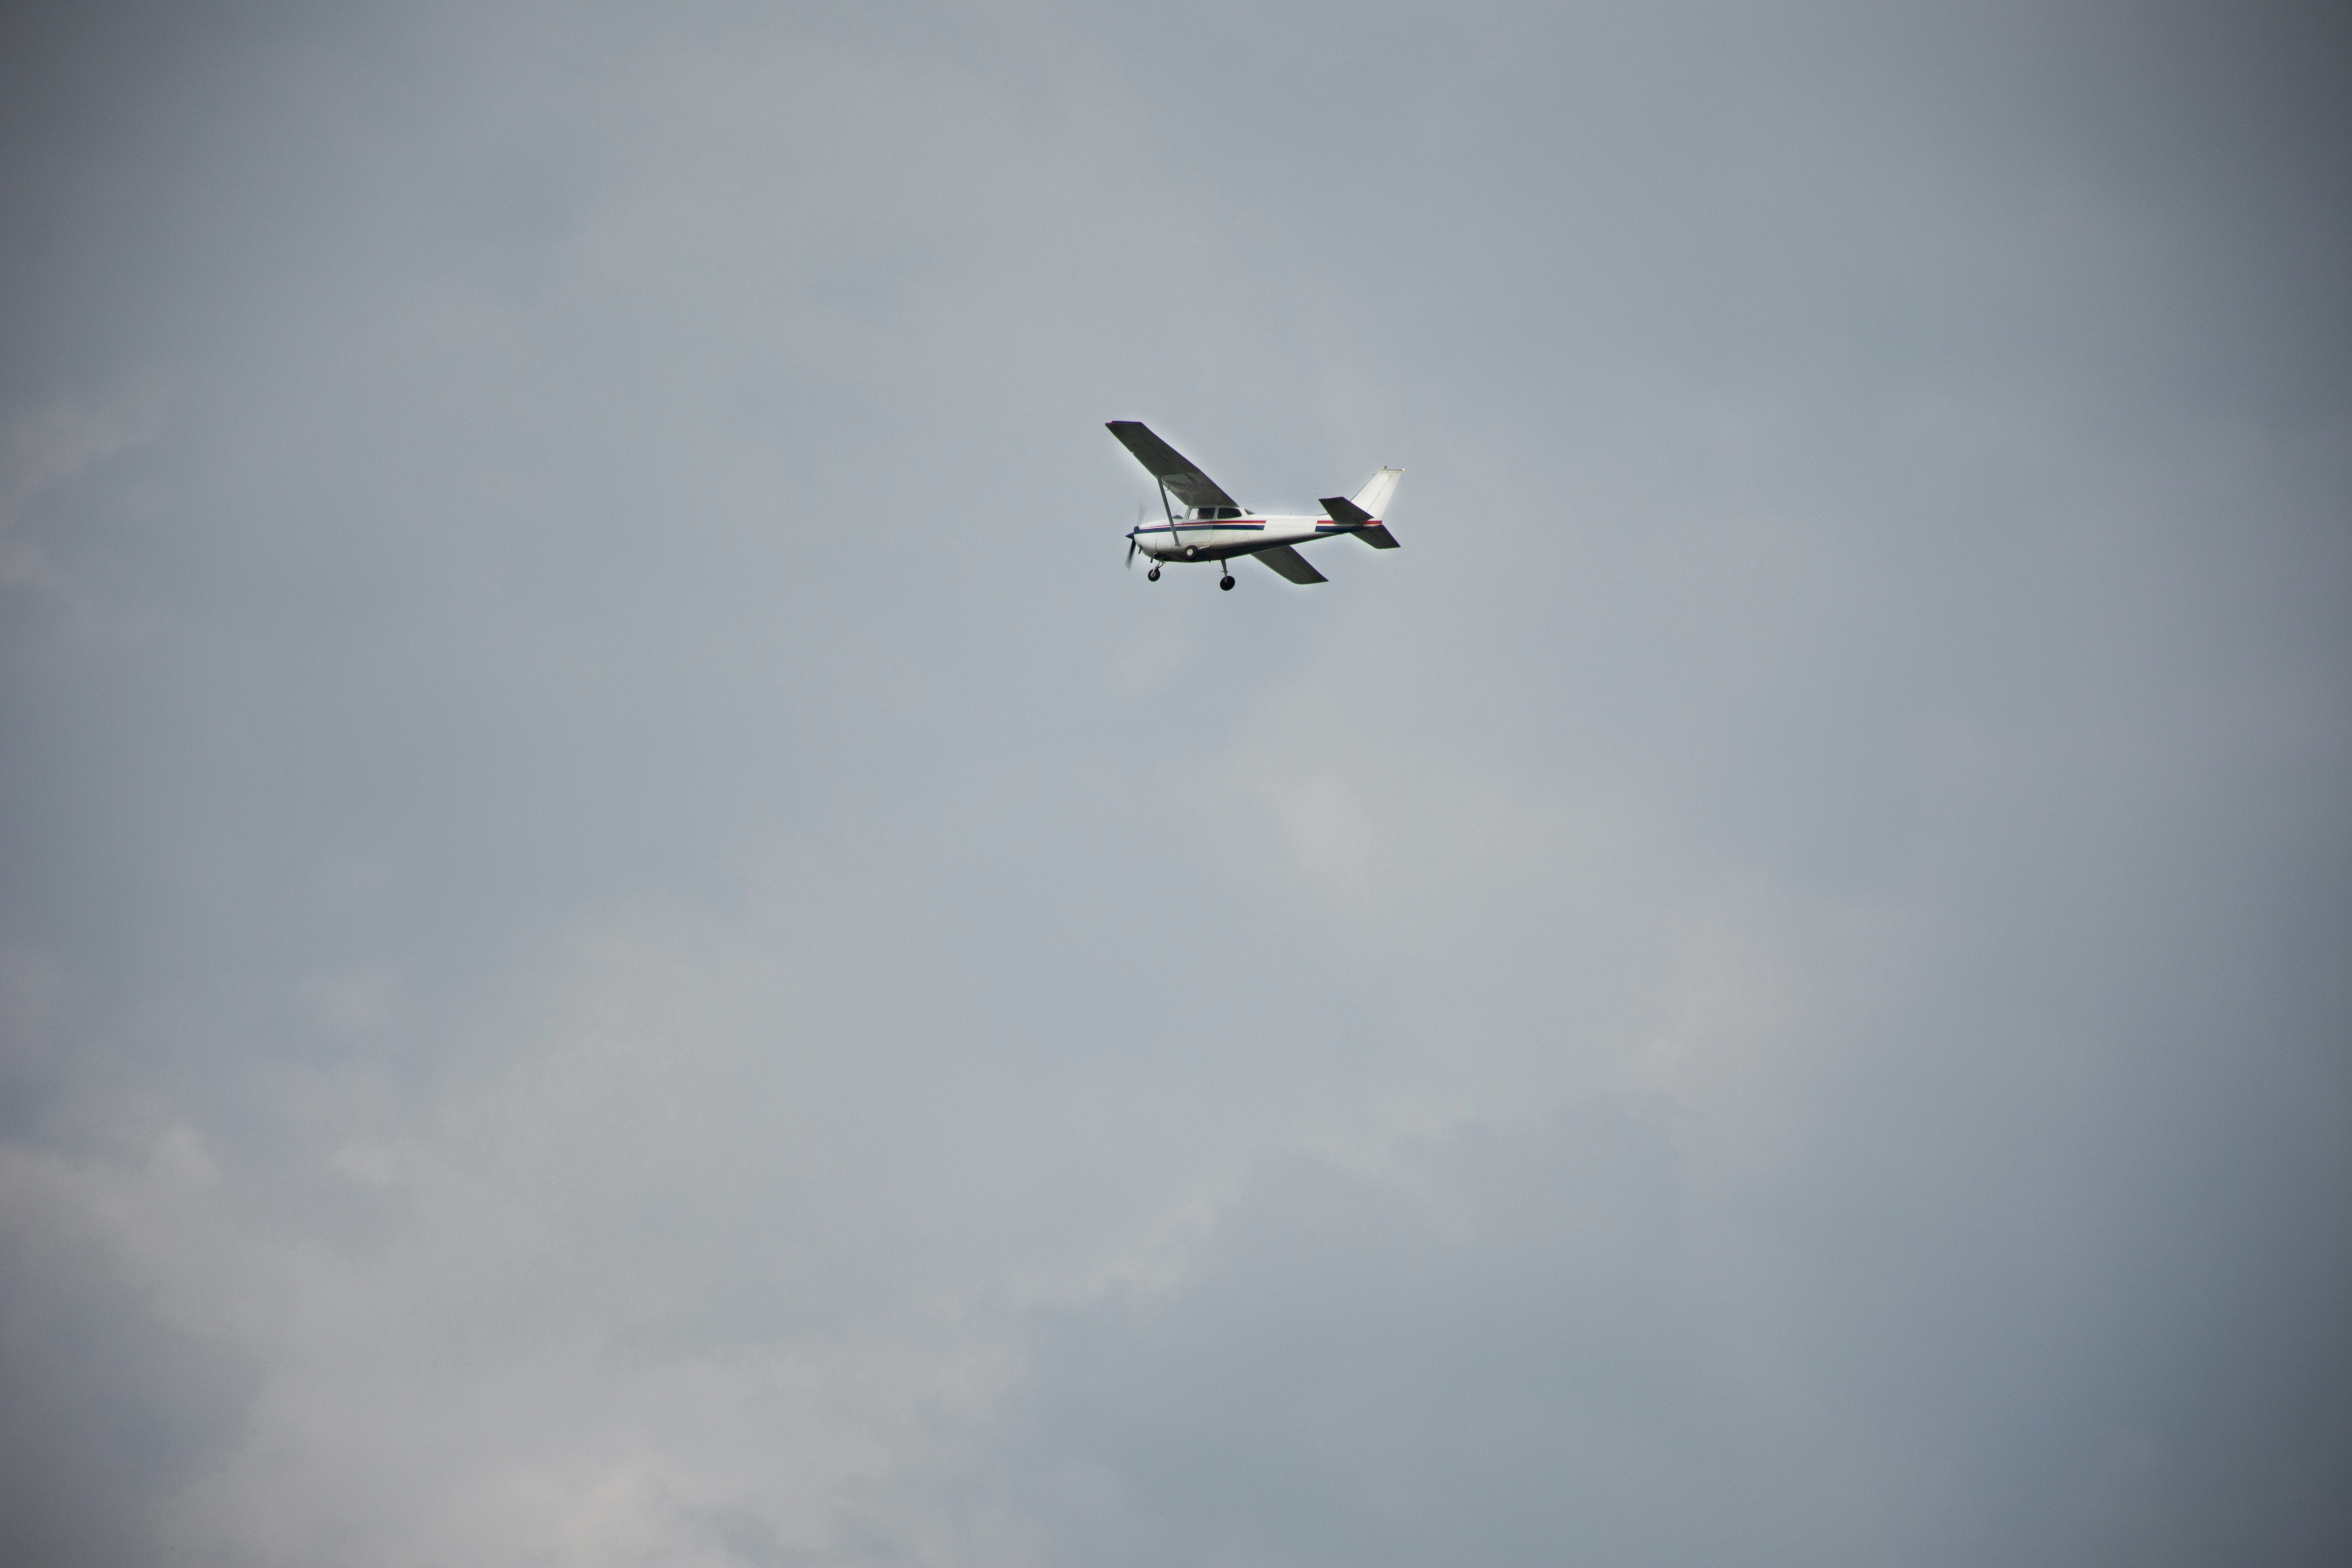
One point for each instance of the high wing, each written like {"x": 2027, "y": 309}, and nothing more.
{"x": 1290, "y": 563}
{"x": 1188, "y": 484}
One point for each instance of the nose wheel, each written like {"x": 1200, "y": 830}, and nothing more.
{"x": 1226, "y": 582}
{"x": 1152, "y": 576}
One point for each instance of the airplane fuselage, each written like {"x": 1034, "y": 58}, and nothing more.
{"x": 1190, "y": 537}
{"x": 1215, "y": 527}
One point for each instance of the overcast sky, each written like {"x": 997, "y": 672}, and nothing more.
{"x": 623, "y": 941}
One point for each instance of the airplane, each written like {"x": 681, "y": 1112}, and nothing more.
{"x": 1215, "y": 527}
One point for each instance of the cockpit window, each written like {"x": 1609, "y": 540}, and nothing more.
{"x": 1229, "y": 511}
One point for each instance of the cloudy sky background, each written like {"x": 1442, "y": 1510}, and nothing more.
{"x": 622, "y": 942}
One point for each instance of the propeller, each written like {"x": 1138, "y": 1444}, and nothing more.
{"x": 1131, "y": 533}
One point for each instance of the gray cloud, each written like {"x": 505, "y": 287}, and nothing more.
{"x": 620, "y": 939}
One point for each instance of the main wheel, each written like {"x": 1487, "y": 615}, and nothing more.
{"x": 1152, "y": 576}
{"x": 1226, "y": 583}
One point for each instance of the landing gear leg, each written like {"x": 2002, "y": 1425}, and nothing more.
{"x": 1226, "y": 582}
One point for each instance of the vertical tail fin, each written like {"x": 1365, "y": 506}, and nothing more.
{"x": 1374, "y": 497}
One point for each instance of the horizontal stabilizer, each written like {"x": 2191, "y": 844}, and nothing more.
{"x": 1291, "y": 564}
{"x": 1189, "y": 485}
{"x": 1366, "y": 527}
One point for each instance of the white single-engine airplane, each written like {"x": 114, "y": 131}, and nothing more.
{"x": 1214, "y": 527}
